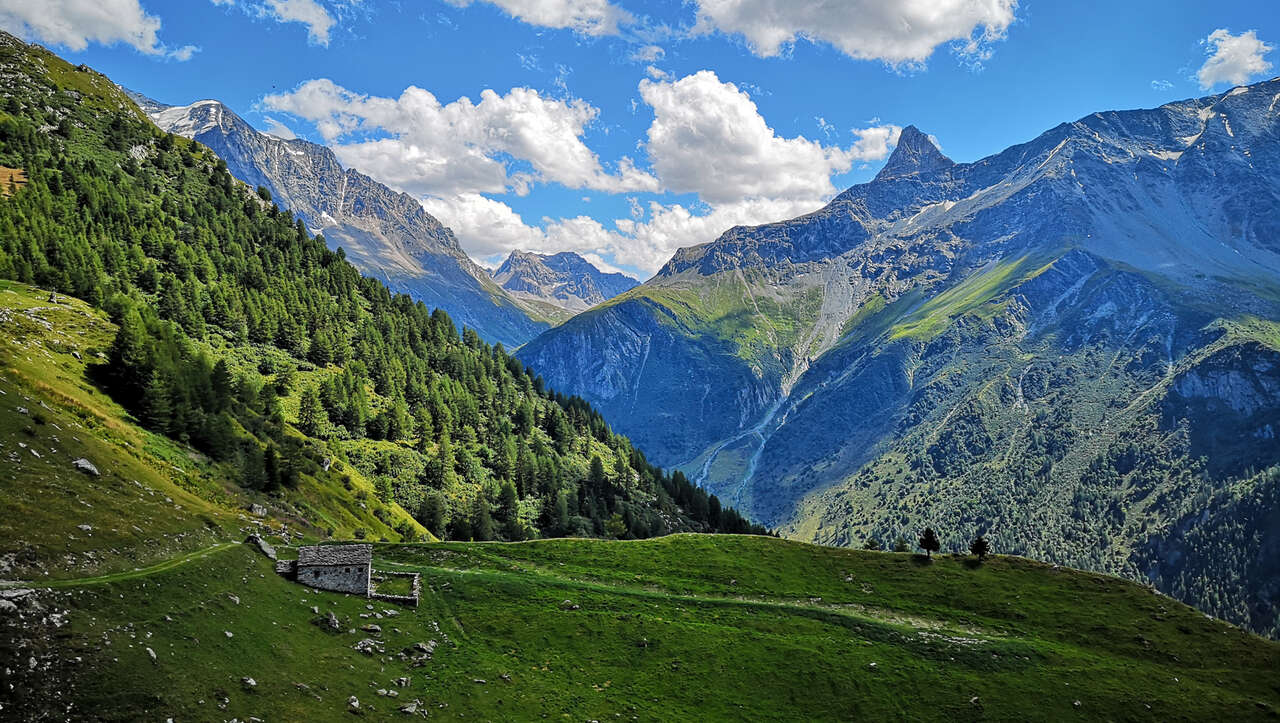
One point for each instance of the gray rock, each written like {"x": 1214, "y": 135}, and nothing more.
{"x": 384, "y": 233}
{"x": 248, "y": 682}
{"x": 86, "y": 466}
{"x": 151, "y": 654}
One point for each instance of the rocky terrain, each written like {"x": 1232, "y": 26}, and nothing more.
{"x": 384, "y": 233}
{"x": 1043, "y": 344}
{"x": 564, "y": 280}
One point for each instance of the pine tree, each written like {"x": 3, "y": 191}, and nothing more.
{"x": 310, "y": 413}
{"x": 929, "y": 542}
{"x": 900, "y": 544}
{"x": 980, "y": 547}
{"x": 871, "y": 544}
{"x": 431, "y": 513}
{"x": 509, "y": 512}
{"x": 157, "y": 403}
{"x": 615, "y": 527}
{"x": 481, "y": 520}
{"x": 271, "y": 468}
{"x": 222, "y": 385}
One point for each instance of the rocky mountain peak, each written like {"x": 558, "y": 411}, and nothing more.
{"x": 915, "y": 153}
{"x": 384, "y": 232}
{"x": 565, "y": 280}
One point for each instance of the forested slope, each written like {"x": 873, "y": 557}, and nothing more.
{"x": 246, "y": 338}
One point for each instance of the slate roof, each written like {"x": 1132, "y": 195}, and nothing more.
{"x": 335, "y": 555}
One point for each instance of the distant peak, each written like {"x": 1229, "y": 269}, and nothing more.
{"x": 915, "y": 153}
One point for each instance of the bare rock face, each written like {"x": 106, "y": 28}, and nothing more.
{"x": 565, "y": 280}
{"x": 385, "y": 233}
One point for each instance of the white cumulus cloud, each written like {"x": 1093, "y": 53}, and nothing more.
{"x": 894, "y": 31}
{"x": 319, "y": 16}
{"x": 74, "y": 24}
{"x": 429, "y": 148}
{"x": 708, "y": 138}
{"x": 308, "y": 12}
{"x": 1232, "y": 59}
{"x": 588, "y": 17}
{"x": 280, "y": 130}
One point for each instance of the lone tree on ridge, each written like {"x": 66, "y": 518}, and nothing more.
{"x": 929, "y": 542}
{"x": 980, "y": 547}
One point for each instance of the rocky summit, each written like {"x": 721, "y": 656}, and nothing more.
{"x": 1050, "y": 341}
{"x": 564, "y": 280}
{"x": 385, "y": 233}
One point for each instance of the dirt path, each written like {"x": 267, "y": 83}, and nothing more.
{"x": 125, "y": 575}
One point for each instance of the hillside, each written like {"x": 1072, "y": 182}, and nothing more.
{"x": 1070, "y": 345}
{"x": 225, "y": 351}
{"x": 565, "y": 280}
{"x": 706, "y": 627}
{"x": 385, "y": 234}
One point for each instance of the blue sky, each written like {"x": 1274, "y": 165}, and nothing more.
{"x": 624, "y": 130}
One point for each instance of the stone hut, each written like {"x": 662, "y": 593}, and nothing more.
{"x": 340, "y": 568}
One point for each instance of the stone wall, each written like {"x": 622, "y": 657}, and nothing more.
{"x": 352, "y": 579}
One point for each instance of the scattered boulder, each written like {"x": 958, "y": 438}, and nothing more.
{"x": 353, "y": 703}
{"x": 372, "y": 628}
{"x": 86, "y": 466}
{"x": 409, "y": 709}
{"x": 262, "y": 545}
{"x": 151, "y": 654}
{"x": 368, "y": 646}
{"x": 85, "y": 528}
{"x": 248, "y": 683}
{"x": 257, "y": 510}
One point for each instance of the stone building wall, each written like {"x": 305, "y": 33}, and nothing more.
{"x": 338, "y": 578}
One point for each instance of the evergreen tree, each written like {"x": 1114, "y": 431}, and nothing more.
{"x": 615, "y": 527}
{"x": 157, "y": 403}
{"x": 900, "y": 544}
{"x": 509, "y": 512}
{"x": 929, "y": 542}
{"x": 431, "y": 513}
{"x": 871, "y": 544}
{"x": 980, "y": 547}
{"x": 310, "y": 413}
{"x": 481, "y": 520}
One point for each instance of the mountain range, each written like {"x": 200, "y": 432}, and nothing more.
{"x": 1070, "y": 345}
{"x": 384, "y": 233}
{"x": 565, "y": 281}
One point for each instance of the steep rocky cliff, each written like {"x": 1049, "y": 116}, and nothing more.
{"x": 384, "y": 233}
{"x": 564, "y": 280}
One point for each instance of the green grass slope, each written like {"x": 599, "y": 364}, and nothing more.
{"x": 679, "y": 628}
{"x": 153, "y": 498}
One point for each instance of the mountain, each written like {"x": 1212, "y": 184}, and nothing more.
{"x": 188, "y": 336}
{"x": 192, "y": 386}
{"x": 384, "y": 233}
{"x": 564, "y": 280}
{"x": 1071, "y": 345}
